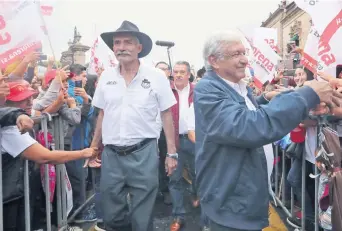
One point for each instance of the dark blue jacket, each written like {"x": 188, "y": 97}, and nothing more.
{"x": 231, "y": 166}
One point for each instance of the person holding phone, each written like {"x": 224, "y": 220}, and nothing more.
{"x": 76, "y": 172}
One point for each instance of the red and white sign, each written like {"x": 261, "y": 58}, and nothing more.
{"x": 263, "y": 59}
{"x": 20, "y": 30}
{"x": 101, "y": 56}
{"x": 310, "y": 54}
{"x": 329, "y": 33}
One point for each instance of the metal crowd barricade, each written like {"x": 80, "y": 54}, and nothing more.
{"x": 60, "y": 185}
{"x": 280, "y": 189}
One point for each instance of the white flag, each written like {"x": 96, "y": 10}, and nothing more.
{"x": 101, "y": 56}
{"x": 263, "y": 59}
{"x": 20, "y": 30}
{"x": 327, "y": 19}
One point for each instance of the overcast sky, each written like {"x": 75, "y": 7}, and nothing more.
{"x": 186, "y": 23}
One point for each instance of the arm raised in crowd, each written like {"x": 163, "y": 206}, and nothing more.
{"x": 48, "y": 101}
{"x": 20, "y": 70}
{"x": 226, "y": 121}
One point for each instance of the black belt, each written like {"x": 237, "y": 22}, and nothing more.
{"x": 126, "y": 150}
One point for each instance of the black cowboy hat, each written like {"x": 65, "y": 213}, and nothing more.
{"x": 128, "y": 27}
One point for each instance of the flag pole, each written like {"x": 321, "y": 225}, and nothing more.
{"x": 47, "y": 32}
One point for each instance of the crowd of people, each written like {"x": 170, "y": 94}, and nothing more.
{"x": 137, "y": 129}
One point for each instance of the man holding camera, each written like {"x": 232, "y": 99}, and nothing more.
{"x": 129, "y": 97}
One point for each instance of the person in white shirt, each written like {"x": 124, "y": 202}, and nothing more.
{"x": 129, "y": 97}
{"x": 13, "y": 144}
{"x": 191, "y": 124}
{"x": 183, "y": 91}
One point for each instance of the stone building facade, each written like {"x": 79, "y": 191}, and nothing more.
{"x": 76, "y": 53}
{"x": 293, "y": 26}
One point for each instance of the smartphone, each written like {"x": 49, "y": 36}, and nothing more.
{"x": 284, "y": 82}
{"x": 78, "y": 83}
{"x": 280, "y": 65}
{"x": 42, "y": 57}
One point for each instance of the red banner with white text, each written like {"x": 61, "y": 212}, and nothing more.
{"x": 20, "y": 30}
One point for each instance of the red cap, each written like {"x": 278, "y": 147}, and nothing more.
{"x": 49, "y": 76}
{"x": 19, "y": 92}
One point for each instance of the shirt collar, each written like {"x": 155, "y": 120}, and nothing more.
{"x": 117, "y": 69}
{"x": 186, "y": 88}
{"x": 240, "y": 87}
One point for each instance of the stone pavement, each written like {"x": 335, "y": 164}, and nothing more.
{"x": 163, "y": 218}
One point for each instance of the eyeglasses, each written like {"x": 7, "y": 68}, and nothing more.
{"x": 235, "y": 55}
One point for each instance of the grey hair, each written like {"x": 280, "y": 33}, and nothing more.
{"x": 184, "y": 63}
{"x": 214, "y": 45}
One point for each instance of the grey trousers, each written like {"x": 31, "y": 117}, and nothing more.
{"x": 186, "y": 157}
{"x": 217, "y": 227}
{"x": 136, "y": 174}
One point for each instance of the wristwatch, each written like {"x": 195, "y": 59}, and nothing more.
{"x": 173, "y": 156}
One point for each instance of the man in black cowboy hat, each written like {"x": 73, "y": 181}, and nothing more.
{"x": 129, "y": 97}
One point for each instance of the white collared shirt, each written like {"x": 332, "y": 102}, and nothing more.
{"x": 183, "y": 109}
{"x": 131, "y": 112}
{"x": 241, "y": 88}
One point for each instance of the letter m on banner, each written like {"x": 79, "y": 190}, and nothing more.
{"x": 20, "y": 30}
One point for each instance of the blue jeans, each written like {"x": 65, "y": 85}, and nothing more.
{"x": 186, "y": 156}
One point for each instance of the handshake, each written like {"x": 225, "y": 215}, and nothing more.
{"x": 329, "y": 95}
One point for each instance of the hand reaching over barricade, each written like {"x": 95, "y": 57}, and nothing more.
{"x": 24, "y": 123}
{"x": 325, "y": 92}
{"x": 93, "y": 162}
{"x": 325, "y": 109}
{"x": 334, "y": 83}
{"x": 89, "y": 152}
{"x": 278, "y": 89}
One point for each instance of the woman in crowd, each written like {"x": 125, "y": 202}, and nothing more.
{"x": 305, "y": 134}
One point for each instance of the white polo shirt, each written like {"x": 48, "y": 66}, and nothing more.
{"x": 13, "y": 142}
{"x": 131, "y": 112}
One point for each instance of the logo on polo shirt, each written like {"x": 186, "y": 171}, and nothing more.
{"x": 145, "y": 84}
{"x": 111, "y": 83}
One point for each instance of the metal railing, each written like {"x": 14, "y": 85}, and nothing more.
{"x": 280, "y": 189}
{"x": 57, "y": 126}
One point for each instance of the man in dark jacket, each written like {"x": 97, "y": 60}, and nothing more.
{"x": 231, "y": 130}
